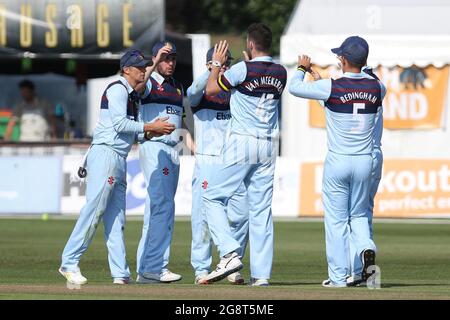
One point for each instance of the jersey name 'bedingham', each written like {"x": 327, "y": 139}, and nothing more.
{"x": 358, "y": 96}
{"x": 267, "y": 80}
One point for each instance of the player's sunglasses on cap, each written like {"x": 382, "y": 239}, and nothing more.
{"x": 209, "y": 55}
{"x": 157, "y": 46}
{"x": 134, "y": 58}
{"x": 355, "y": 49}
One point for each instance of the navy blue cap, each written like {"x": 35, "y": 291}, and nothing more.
{"x": 355, "y": 49}
{"x": 134, "y": 58}
{"x": 210, "y": 52}
{"x": 161, "y": 44}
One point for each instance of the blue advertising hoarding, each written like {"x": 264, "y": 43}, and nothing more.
{"x": 30, "y": 185}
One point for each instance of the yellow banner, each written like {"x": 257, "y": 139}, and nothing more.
{"x": 415, "y": 97}
{"x": 408, "y": 188}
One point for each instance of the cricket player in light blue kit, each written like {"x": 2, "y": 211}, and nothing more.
{"x": 248, "y": 156}
{"x": 211, "y": 118}
{"x": 352, "y": 103}
{"x": 377, "y": 165}
{"x": 160, "y": 164}
{"x": 114, "y": 135}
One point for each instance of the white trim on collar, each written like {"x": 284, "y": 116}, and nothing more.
{"x": 263, "y": 58}
{"x": 356, "y": 75}
{"x": 159, "y": 78}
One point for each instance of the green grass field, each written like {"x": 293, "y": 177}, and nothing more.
{"x": 414, "y": 261}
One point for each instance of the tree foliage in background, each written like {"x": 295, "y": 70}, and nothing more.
{"x": 229, "y": 16}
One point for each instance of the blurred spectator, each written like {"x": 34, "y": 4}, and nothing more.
{"x": 61, "y": 121}
{"x": 35, "y": 115}
{"x": 413, "y": 77}
{"x": 74, "y": 132}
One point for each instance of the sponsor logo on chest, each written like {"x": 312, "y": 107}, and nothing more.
{"x": 172, "y": 110}
{"x": 223, "y": 116}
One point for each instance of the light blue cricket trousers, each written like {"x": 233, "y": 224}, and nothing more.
{"x": 105, "y": 199}
{"x": 237, "y": 212}
{"x": 375, "y": 178}
{"x": 346, "y": 183}
{"x": 160, "y": 165}
{"x": 252, "y": 160}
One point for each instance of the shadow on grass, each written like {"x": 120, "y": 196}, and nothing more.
{"x": 383, "y": 285}
{"x": 394, "y": 285}
{"x": 294, "y": 283}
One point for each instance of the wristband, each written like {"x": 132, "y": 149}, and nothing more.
{"x": 302, "y": 68}
{"x": 216, "y": 63}
{"x": 148, "y": 135}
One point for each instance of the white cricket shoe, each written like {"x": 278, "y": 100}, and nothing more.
{"x": 228, "y": 264}
{"x": 329, "y": 284}
{"x": 166, "y": 276}
{"x": 169, "y": 276}
{"x": 122, "y": 280}
{"x": 73, "y": 277}
{"x": 259, "y": 282}
{"x": 200, "y": 277}
{"x": 236, "y": 278}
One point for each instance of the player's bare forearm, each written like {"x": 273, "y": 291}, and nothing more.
{"x": 212, "y": 87}
{"x": 219, "y": 57}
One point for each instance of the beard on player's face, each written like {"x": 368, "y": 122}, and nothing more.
{"x": 165, "y": 70}
{"x": 249, "y": 49}
{"x": 249, "y": 53}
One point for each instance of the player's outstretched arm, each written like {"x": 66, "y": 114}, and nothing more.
{"x": 219, "y": 57}
{"x": 318, "y": 90}
{"x": 197, "y": 89}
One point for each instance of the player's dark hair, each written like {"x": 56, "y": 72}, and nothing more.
{"x": 261, "y": 35}
{"x": 26, "y": 84}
